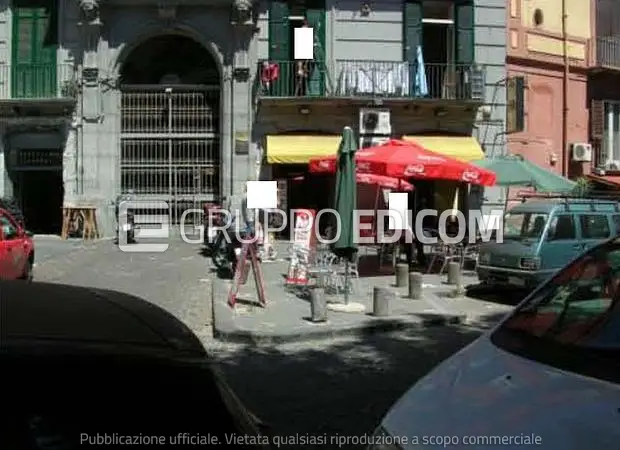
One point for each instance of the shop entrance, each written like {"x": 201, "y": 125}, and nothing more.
{"x": 38, "y": 187}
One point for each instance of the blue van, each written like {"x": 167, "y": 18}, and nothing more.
{"x": 543, "y": 235}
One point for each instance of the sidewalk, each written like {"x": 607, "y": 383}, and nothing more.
{"x": 286, "y": 317}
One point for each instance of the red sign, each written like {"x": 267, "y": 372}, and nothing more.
{"x": 304, "y": 241}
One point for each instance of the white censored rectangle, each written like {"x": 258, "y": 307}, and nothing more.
{"x": 304, "y": 43}
{"x": 262, "y": 194}
{"x": 398, "y": 205}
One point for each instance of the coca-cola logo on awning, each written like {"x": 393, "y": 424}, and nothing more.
{"x": 470, "y": 175}
{"x": 414, "y": 169}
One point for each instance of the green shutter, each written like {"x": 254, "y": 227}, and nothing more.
{"x": 412, "y": 32}
{"x": 33, "y": 72}
{"x": 464, "y": 19}
{"x": 412, "y": 22}
{"x": 316, "y": 20}
{"x": 280, "y": 48}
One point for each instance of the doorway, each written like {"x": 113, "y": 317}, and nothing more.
{"x": 40, "y": 194}
{"x": 301, "y": 69}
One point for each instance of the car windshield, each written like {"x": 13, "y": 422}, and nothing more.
{"x": 524, "y": 225}
{"x": 576, "y": 310}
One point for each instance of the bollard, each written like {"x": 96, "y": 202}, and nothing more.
{"x": 454, "y": 273}
{"x": 381, "y": 298}
{"x": 402, "y": 272}
{"x": 415, "y": 285}
{"x": 318, "y": 305}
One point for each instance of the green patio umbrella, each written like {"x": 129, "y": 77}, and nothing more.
{"x": 345, "y": 202}
{"x": 514, "y": 170}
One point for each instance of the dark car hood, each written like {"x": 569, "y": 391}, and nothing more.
{"x": 53, "y": 314}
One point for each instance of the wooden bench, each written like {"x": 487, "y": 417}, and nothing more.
{"x": 75, "y": 217}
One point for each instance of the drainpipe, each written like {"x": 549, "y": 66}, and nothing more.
{"x": 232, "y": 129}
{"x": 565, "y": 80}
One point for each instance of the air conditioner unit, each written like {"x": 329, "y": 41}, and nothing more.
{"x": 371, "y": 141}
{"x": 581, "y": 152}
{"x": 375, "y": 121}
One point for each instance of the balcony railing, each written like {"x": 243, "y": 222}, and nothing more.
{"x": 36, "y": 81}
{"x": 349, "y": 79}
{"x": 607, "y": 52}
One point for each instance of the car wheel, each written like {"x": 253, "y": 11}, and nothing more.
{"x": 28, "y": 272}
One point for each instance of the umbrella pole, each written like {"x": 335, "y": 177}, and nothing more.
{"x": 346, "y": 282}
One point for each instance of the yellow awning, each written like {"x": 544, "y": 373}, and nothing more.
{"x": 295, "y": 149}
{"x": 464, "y": 148}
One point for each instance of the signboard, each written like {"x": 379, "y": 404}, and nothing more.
{"x": 304, "y": 241}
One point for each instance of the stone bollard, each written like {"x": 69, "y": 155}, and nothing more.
{"x": 381, "y": 298}
{"x": 454, "y": 273}
{"x": 415, "y": 285}
{"x": 402, "y": 273}
{"x": 318, "y": 305}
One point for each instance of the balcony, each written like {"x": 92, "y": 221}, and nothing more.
{"x": 37, "y": 82}
{"x": 372, "y": 79}
{"x": 607, "y": 52}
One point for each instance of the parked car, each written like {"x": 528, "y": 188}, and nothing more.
{"x": 548, "y": 375}
{"x": 92, "y": 368}
{"x": 540, "y": 237}
{"x": 16, "y": 249}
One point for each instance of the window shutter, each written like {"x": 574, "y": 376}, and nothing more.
{"x": 280, "y": 47}
{"x": 412, "y": 29}
{"x": 412, "y": 37}
{"x": 515, "y": 104}
{"x": 597, "y": 119}
{"x": 316, "y": 20}
{"x": 464, "y": 19}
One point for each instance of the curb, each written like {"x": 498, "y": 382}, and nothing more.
{"x": 360, "y": 330}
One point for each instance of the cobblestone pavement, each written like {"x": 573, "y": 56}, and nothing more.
{"x": 335, "y": 389}
{"x": 174, "y": 279}
{"x": 341, "y": 387}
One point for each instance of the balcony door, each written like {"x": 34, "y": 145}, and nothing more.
{"x": 444, "y": 31}
{"x": 34, "y": 39}
{"x": 284, "y": 17}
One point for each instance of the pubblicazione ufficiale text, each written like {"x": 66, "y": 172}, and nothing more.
{"x": 332, "y": 441}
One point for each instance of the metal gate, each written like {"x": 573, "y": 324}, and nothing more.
{"x": 170, "y": 145}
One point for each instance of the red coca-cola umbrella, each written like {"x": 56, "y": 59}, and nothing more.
{"x": 403, "y": 159}
{"x": 376, "y": 180}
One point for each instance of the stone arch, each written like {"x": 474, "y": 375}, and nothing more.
{"x": 155, "y": 31}
{"x": 174, "y": 77}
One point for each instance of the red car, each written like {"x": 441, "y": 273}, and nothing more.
{"x": 16, "y": 249}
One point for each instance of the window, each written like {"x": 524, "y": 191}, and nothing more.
{"x": 616, "y": 219}
{"x": 524, "y": 225}
{"x": 573, "y": 307}
{"x": 571, "y": 322}
{"x": 562, "y": 228}
{"x": 611, "y": 131}
{"x": 594, "y": 226}
{"x": 9, "y": 230}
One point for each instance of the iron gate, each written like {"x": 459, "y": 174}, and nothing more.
{"x": 170, "y": 145}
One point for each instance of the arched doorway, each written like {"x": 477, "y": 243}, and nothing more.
{"x": 170, "y": 123}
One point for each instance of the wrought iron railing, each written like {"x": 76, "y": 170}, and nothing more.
{"x": 372, "y": 79}
{"x": 607, "y": 52}
{"x": 31, "y": 81}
